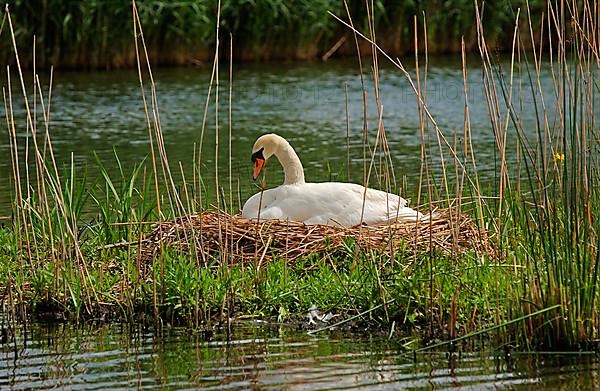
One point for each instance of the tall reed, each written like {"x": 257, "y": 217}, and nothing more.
{"x": 553, "y": 214}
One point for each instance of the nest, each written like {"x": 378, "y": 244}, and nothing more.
{"x": 218, "y": 234}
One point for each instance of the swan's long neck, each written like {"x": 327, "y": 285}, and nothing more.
{"x": 292, "y": 166}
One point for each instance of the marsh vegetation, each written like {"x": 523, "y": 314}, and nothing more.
{"x": 535, "y": 289}
{"x": 98, "y": 34}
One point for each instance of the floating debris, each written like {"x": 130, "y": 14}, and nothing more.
{"x": 314, "y": 316}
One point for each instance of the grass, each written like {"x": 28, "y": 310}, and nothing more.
{"x": 97, "y": 34}
{"x": 538, "y": 290}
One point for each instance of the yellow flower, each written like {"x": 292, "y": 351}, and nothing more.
{"x": 559, "y": 157}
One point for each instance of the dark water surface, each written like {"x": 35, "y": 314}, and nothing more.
{"x": 306, "y": 103}
{"x": 259, "y": 356}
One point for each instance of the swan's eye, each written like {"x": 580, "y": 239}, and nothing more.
{"x": 258, "y": 155}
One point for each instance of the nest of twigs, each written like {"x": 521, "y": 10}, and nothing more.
{"x": 214, "y": 233}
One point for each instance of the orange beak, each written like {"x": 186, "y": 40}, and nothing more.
{"x": 258, "y": 166}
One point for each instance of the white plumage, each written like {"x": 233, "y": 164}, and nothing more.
{"x": 327, "y": 203}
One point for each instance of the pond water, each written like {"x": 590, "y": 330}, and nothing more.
{"x": 102, "y": 112}
{"x": 260, "y": 356}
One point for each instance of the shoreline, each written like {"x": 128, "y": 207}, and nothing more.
{"x": 343, "y": 283}
{"x": 183, "y": 34}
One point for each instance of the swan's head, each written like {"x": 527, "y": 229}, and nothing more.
{"x": 264, "y": 147}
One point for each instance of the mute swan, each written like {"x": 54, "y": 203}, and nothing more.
{"x": 327, "y": 203}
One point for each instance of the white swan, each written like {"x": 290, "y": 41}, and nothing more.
{"x": 327, "y": 203}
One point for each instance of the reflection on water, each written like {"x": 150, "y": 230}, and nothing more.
{"x": 306, "y": 103}
{"x": 259, "y": 356}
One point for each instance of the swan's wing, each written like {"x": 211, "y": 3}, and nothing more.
{"x": 310, "y": 203}
{"x": 348, "y": 204}
{"x": 264, "y": 200}
{"x": 286, "y": 202}
{"x": 387, "y": 207}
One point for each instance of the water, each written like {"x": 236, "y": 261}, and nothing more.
{"x": 306, "y": 103}
{"x": 260, "y": 356}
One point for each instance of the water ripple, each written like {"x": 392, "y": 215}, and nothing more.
{"x": 260, "y": 356}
